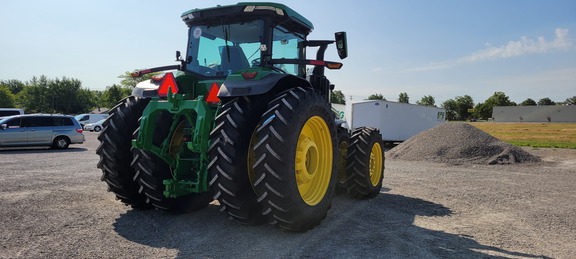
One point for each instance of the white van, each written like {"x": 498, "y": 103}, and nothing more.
{"x": 4, "y": 112}
{"x": 87, "y": 118}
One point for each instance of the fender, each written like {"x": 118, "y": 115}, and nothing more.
{"x": 233, "y": 87}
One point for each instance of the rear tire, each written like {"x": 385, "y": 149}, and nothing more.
{"x": 230, "y": 153}
{"x": 295, "y": 166}
{"x": 365, "y": 163}
{"x": 61, "y": 143}
{"x": 151, "y": 171}
{"x": 114, "y": 151}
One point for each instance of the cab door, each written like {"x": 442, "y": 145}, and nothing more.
{"x": 14, "y": 134}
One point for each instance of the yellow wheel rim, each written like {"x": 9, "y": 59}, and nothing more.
{"x": 314, "y": 160}
{"x": 376, "y": 164}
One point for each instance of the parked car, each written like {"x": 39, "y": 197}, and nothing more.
{"x": 10, "y": 111}
{"x": 87, "y": 118}
{"x": 57, "y": 131}
{"x": 96, "y": 126}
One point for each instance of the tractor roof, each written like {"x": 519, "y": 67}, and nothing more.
{"x": 248, "y": 10}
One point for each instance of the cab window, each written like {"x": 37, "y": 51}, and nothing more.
{"x": 285, "y": 45}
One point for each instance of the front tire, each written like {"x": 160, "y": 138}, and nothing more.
{"x": 365, "y": 163}
{"x": 114, "y": 151}
{"x": 230, "y": 154}
{"x": 296, "y": 156}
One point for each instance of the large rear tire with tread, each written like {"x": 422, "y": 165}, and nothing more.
{"x": 296, "y": 154}
{"x": 114, "y": 151}
{"x": 365, "y": 163}
{"x": 230, "y": 154}
{"x": 151, "y": 171}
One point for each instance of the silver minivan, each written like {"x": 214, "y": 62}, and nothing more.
{"x": 57, "y": 131}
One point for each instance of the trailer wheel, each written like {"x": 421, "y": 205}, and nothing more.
{"x": 343, "y": 143}
{"x": 365, "y": 163}
{"x": 114, "y": 151}
{"x": 296, "y": 154}
{"x": 151, "y": 171}
{"x": 231, "y": 159}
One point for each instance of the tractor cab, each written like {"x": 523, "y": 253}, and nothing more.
{"x": 227, "y": 39}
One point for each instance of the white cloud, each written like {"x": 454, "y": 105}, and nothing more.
{"x": 524, "y": 46}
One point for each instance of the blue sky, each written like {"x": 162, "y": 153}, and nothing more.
{"x": 442, "y": 48}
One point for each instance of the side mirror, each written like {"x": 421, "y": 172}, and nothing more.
{"x": 341, "y": 44}
{"x": 178, "y": 56}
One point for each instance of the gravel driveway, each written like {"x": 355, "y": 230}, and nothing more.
{"x": 53, "y": 204}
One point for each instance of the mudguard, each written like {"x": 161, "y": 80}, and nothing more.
{"x": 234, "y": 87}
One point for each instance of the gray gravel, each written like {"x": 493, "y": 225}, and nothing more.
{"x": 459, "y": 143}
{"x": 53, "y": 205}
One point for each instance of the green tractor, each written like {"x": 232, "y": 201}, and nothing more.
{"x": 241, "y": 120}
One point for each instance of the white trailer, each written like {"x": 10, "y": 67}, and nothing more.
{"x": 397, "y": 121}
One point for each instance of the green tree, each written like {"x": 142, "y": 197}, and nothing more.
{"x": 528, "y": 102}
{"x": 376, "y": 97}
{"x": 458, "y": 108}
{"x": 34, "y": 97}
{"x": 403, "y": 98}
{"x": 7, "y": 98}
{"x": 546, "y": 101}
{"x": 427, "y": 100}
{"x": 451, "y": 108}
{"x": 15, "y": 86}
{"x": 98, "y": 98}
{"x": 337, "y": 97}
{"x": 571, "y": 101}
{"x": 484, "y": 110}
{"x": 113, "y": 94}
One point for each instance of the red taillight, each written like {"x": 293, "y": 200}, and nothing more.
{"x": 167, "y": 82}
{"x": 249, "y": 75}
{"x": 157, "y": 78}
{"x": 79, "y": 130}
{"x": 213, "y": 94}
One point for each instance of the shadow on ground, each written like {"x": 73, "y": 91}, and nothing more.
{"x": 379, "y": 228}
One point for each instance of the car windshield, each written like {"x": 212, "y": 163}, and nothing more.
{"x": 218, "y": 50}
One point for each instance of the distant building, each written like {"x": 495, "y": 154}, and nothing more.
{"x": 544, "y": 113}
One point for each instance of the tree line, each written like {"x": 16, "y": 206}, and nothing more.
{"x": 63, "y": 95}
{"x": 463, "y": 107}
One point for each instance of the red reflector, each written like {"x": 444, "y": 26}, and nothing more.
{"x": 213, "y": 94}
{"x": 249, "y": 75}
{"x": 168, "y": 82}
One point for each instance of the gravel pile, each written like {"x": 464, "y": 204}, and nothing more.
{"x": 459, "y": 143}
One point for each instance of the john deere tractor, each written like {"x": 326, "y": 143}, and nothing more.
{"x": 245, "y": 119}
